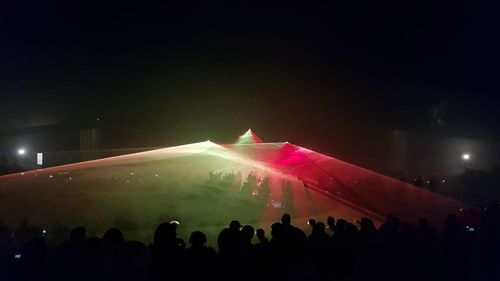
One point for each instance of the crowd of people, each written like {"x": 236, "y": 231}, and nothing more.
{"x": 334, "y": 250}
{"x": 254, "y": 185}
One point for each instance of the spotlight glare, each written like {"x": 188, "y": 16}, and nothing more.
{"x": 466, "y": 156}
{"x": 21, "y": 151}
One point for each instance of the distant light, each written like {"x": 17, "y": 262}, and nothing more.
{"x": 21, "y": 151}
{"x": 466, "y": 156}
{"x": 443, "y": 180}
{"x": 39, "y": 159}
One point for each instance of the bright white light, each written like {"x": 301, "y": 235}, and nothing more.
{"x": 21, "y": 151}
{"x": 39, "y": 159}
{"x": 466, "y": 156}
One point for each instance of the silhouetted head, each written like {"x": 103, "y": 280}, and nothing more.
{"x": 261, "y": 234}
{"x": 276, "y": 229}
{"x": 320, "y": 227}
{"x": 235, "y": 225}
{"x": 248, "y": 232}
{"x": 165, "y": 233}
{"x": 197, "y": 239}
{"x": 330, "y": 221}
{"x": 77, "y": 234}
{"x": 351, "y": 229}
{"x": 341, "y": 224}
{"x": 367, "y": 224}
{"x": 311, "y": 222}
{"x": 113, "y": 236}
{"x": 286, "y": 219}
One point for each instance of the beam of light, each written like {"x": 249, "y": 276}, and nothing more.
{"x": 226, "y": 152}
{"x": 283, "y": 161}
{"x": 249, "y": 137}
{"x": 132, "y": 158}
{"x": 373, "y": 191}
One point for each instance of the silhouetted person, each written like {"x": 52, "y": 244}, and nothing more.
{"x": 247, "y": 233}
{"x": 69, "y": 257}
{"x": 294, "y": 240}
{"x": 229, "y": 241}
{"x": 112, "y": 238}
{"x": 166, "y": 251}
{"x": 319, "y": 240}
{"x": 201, "y": 261}
{"x": 262, "y": 253}
{"x": 128, "y": 262}
{"x": 311, "y": 223}
{"x": 331, "y": 224}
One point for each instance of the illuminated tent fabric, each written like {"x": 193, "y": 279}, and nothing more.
{"x": 137, "y": 191}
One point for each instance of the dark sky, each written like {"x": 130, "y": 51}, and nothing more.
{"x": 166, "y": 71}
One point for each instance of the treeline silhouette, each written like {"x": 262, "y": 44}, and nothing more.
{"x": 334, "y": 250}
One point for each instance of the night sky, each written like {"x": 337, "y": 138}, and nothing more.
{"x": 165, "y": 72}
